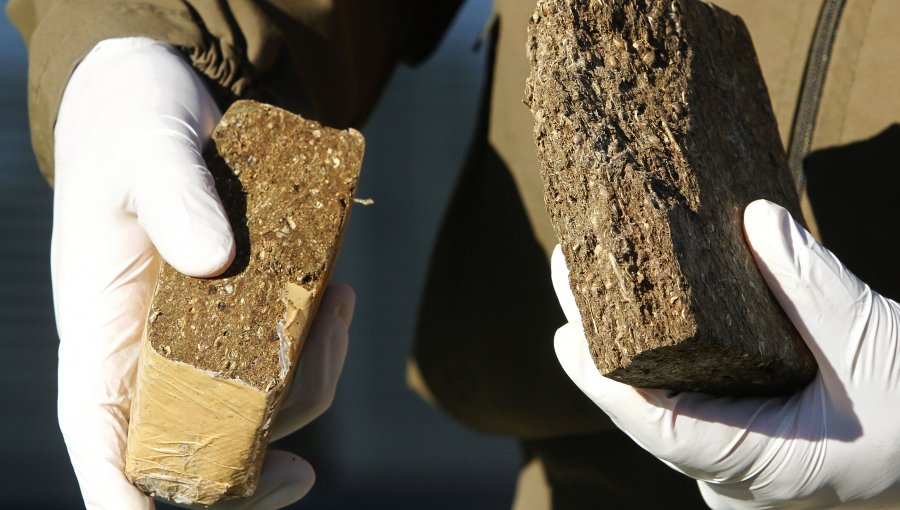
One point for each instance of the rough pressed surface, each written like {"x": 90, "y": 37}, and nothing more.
{"x": 654, "y": 131}
{"x": 218, "y": 352}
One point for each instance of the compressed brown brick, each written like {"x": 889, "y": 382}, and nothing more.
{"x": 219, "y": 352}
{"x": 654, "y": 131}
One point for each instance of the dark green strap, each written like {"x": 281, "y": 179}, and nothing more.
{"x": 811, "y": 89}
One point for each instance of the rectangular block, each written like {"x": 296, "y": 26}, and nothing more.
{"x": 219, "y": 352}
{"x": 654, "y": 130}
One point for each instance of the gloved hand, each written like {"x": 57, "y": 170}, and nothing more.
{"x": 836, "y": 442}
{"x": 131, "y": 188}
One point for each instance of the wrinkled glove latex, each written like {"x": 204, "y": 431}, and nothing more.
{"x": 835, "y": 443}
{"x": 132, "y": 189}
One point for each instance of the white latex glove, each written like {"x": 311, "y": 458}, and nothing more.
{"x": 835, "y": 443}
{"x": 132, "y": 188}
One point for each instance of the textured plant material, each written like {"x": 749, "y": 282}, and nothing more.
{"x": 218, "y": 353}
{"x": 654, "y": 131}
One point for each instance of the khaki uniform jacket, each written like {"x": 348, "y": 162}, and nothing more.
{"x": 326, "y": 58}
{"x": 332, "y": 58}
{"x": 486, "y": 356}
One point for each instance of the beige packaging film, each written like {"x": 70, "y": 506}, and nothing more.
{"x": 218, "y": 353}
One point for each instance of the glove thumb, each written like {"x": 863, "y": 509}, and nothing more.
{"x": 180, "y": 210}
{"x": 822, "y": 298}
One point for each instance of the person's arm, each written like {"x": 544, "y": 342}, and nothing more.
{"x": 132, "y": 189}
{"x": 119, "y": 123}
{"x": 328, "y": 59}
{"x": 836, "y": 443}
{"x": 60, "y": 34}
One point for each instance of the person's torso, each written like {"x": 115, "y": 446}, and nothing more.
{"x": 860, "y": 102}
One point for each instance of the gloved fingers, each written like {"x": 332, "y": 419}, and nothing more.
{"x": 133, "y": 120}
{"x": 646, "y": 415}
{"x": 827, "y": 304}
{"x": 637, "y": 412}
{"x": 321, "y": 363}
{"x": 559, "y": 274}
{"x": 700, "y": 435}
{"x": 174, "y": 195}
{"x": 124, "y": 107}
{"x": 340, "y": 300}
{"x": 285, "y": 479}
{"x": 181, "y": 212}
